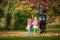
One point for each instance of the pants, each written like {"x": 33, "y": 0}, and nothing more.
{"x": 28, "y": 31}
{"x": 42, "y": 23}
{"x": 35, "y": 30}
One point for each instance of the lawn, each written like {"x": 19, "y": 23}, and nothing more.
{"x": 30, "y": 38}
{"x": 55, "y": 31}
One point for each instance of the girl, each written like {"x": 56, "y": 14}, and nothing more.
{"x": 28, "y": 26}
{"x": 35, "y": 24}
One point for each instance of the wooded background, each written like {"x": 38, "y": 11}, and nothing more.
{"x": 14, "y": 13}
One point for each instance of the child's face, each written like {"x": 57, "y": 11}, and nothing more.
{"x": 35, "y": 18}
{"x": 29, "y": 20}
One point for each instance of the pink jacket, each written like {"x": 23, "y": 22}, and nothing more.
{"x": 28, "y": 25}
{"x": 35, "y": 22}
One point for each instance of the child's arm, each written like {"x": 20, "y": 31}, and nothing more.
{"x": 32, "y": 23}
{"x": 26, "y": 28}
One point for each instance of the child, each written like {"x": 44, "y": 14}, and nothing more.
{"x": 35, "y": 24}
{"x": 28, "y": 26}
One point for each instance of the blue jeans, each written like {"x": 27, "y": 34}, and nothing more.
{"x": 41, "y": 18}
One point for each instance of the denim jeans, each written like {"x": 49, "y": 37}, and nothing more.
{"x": 41, "y": 18}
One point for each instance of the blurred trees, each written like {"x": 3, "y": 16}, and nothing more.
{"x": 54, "y": 9}
{"x": 17, "y": 12}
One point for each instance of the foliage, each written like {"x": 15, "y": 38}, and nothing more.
{"x": 8, "y": 18}
{"x": 20, "y": 20}
{"x": 16, "y": 19}
{"x": 1, "y": 13}
{"x": 22, "y": 10}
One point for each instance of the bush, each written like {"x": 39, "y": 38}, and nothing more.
{"x": 1, "y": 13}
{"x": 19, "y": 19}
{"x": 16, "y": 19}
{"x": 8, "y": 18}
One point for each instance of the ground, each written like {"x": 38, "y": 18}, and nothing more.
{"x": 31, "y": 34}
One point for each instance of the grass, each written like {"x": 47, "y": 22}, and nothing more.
{"x": 12, "y": 30}
{"x": 30, "y": 38}
{"x": 55, "y": 31}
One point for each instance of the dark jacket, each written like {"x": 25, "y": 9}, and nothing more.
{"x": 41, "y": 11}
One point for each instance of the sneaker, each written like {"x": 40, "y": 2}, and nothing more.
{"x": 41, "y": 32}
{"x": 34, "y": 33}
{"x": 26, "y": 34}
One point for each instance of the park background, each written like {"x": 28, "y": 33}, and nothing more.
{"x": 14, "y": 14}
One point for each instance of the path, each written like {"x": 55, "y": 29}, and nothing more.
{"x": 22, "y": 34}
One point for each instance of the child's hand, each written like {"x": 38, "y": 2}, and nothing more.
{"x": 37, "y": 27}
{"x": 26, "y": 27}
{"x": 32, "y": 24}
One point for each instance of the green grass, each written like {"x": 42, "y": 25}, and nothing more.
{"x": 30, "y": 38}
{"x": 12, "y": 30}
{"x": 55, "y": 31}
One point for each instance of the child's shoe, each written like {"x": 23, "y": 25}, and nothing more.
{"x": 26, "y": 34}
{"x": 34, "y": 33}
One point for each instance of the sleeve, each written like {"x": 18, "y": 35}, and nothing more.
{"x": 45, "y": 10}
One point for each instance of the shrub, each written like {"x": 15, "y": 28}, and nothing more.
{"x": 19, "y": 19}
{"x": 8, "y": 18}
